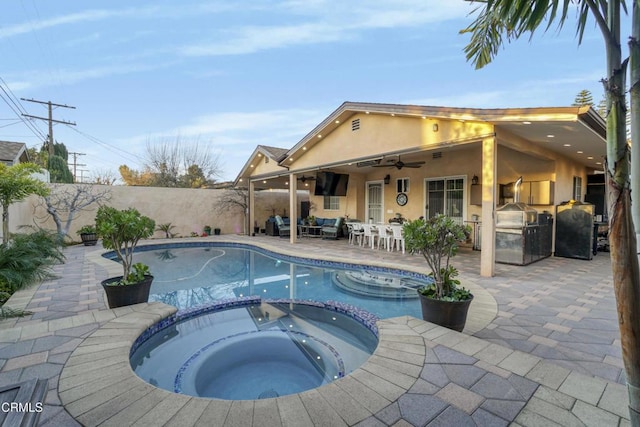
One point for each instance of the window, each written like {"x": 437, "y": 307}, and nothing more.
{"x": 446, "y": 196}
{"x": 577, "y": 188}
{"x": 402, "y": 185}
{"x": 331, "y": 203}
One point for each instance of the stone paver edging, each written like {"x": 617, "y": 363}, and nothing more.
{"x": 418, "y": 374}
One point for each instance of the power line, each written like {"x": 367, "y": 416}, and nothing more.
{"x": 14, "y": 104}
{"x": 124, "y": 154}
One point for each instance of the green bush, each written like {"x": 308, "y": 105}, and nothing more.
{"x": 27, "y": 259}
{"x": 86, "y": 229}
{"x": 436, "y": 239}
{"x": 121, "y": 230}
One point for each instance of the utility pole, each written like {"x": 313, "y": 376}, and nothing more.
{"x": 49, "y": 119}
{"x": 82, "y": 174}
{"x": 75, "y": 164}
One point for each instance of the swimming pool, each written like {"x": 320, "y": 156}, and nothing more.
{"x": 255, "y": 349}
{"x": 193, "y": 274}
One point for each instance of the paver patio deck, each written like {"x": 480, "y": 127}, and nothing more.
{"x": 541, "y": 348}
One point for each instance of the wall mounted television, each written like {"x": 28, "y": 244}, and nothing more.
{"x": 331, "y": 184}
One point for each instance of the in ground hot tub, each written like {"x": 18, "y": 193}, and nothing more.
{"x": 256, "y": 350}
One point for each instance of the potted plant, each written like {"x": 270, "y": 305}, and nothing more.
{"x": 207, "y": 230}
{"x": 443, "y": 302}
{"x": 121, "y": 230}
{"x": 88, "y": 235}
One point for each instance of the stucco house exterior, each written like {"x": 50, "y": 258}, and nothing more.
{"x": 456, "y": 161}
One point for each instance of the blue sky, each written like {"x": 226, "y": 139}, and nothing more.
{"x": 236, "y": 74}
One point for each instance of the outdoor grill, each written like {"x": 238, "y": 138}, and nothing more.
{"x": 520, "y": 239}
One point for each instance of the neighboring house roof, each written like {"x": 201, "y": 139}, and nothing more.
{"x": 13, "y": 152}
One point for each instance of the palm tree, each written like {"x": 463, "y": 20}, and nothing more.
{"x": 500, "y": 20}
{"x": 16, "y": 184}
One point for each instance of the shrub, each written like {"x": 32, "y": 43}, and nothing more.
{"x": 27, "y": 259}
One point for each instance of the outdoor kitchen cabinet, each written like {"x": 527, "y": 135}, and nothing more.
{"x": 537, "y": 192}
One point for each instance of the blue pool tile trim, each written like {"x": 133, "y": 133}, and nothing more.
{"x": 287, "y": 258}
{"x": 367, "y": 319}
{"x": 177, "y": 384}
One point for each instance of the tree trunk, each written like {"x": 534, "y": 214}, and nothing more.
{"x": 622, "y": 239}
{"x": 625, "y": 262}
{"x": 5, "y": 224}
{"x": 634, "y": 77}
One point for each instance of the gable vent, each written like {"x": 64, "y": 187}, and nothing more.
{"x": 437, "y": 155}
{"x": 355, "y": 125}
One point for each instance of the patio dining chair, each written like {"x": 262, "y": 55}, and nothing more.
{"x": 398, "y": 237}
{"x": 385, "y": 237}
{"x": 369, "y": 235}
{"x": 355, "y": 233}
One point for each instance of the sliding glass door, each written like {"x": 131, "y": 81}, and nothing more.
{"x": 445, "y": 196}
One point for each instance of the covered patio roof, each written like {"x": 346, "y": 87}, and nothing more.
{"x": 577, "y": 133}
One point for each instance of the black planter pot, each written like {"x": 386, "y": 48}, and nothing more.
{"x": 89, "y": 239}
{"x": 450, "y": 314}
{"x": 121, "y": 295}
{"x": 216, "y": 231}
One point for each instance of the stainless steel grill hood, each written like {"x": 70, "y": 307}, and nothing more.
{"x": 516, "y": 214}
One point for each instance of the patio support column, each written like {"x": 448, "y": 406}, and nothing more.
{"x": 252, "y": 208}
{"x": 293, "y": 208}
{"x": 489, "y": 169}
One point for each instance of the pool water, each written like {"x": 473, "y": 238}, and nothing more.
{"x": 191, "y": 276}
{"x": 255, "y": 351}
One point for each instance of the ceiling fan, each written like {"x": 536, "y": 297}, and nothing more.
{"x": 304, "y": 179}
{"x": 399, "y": 164}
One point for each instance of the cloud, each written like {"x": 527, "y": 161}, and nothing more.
{"x": 234, "y": 135}
{"x": 89, "y": 15}
{"x": 331, "y": 22}
{"x": 36, "y": 80}
{"x": 231, "y": 128}
{"x": 543, "y": 92}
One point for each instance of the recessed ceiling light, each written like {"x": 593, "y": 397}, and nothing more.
{"x": 424, "y": 117}
{"x": 337, "y": 121}
{"x": 291, "y": 159}
{"x": 393, "y": 114}
{"x": 251, "y": 165}
{"x": 551, "y": 136}
{"x": 590, "y": 157}
{"x": 264, "y": 181}
{"x": 567, "y": 145}
{"x": 366, "y": 112}
{"x": 319, "y": 136}
{"x": 240, "y": 180}
{"x": 526, "y": 123}
{"x": 579, "y": 152}
{"x": 598, "y": 163}
{"x": 304, "y": 148}
{"x": 286, "y": 183}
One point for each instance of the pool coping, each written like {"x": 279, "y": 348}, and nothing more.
{"x": 97, "y": 385}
